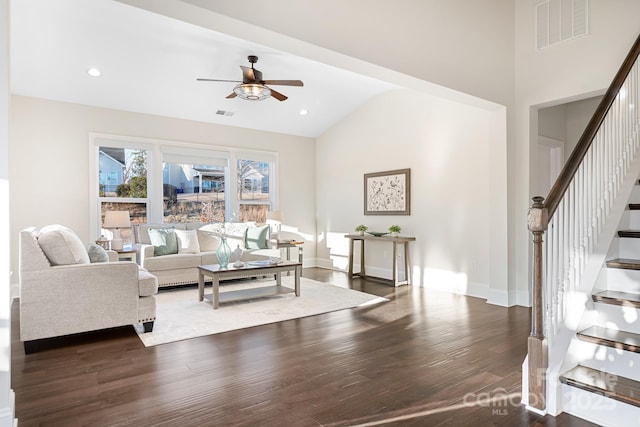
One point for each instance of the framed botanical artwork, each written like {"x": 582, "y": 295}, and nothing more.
{"x": 387, "y": 193}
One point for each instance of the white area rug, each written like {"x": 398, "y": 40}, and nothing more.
{"x": 181, "y": 316}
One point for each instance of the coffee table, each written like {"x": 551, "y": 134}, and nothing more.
{"x": 250, "y": 269}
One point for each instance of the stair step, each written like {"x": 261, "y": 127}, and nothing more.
{"x": 617, "y": 298}
{"x": 611, "y": 338}
{"x": 626, "y": 263}
{"x": 605, "y": 384}
{"x": 634, "y": 206}
{"x": 629, "y": 233}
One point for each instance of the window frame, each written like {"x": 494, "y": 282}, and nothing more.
{"x": 157, "y": 151}
{"x": 257, "y": 156}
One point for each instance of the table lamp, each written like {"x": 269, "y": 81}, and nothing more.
{"x": 116, "y": 220}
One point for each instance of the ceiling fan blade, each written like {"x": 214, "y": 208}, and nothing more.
{"x": 231, "y": 95}
{"x": 217, "y": 80}
{"x": 283, "y": 82}
{"x": 249, "y": 74}
{"x": 278, "y": 95}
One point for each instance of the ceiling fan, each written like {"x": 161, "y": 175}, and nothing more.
{"x": 252, "y": 87}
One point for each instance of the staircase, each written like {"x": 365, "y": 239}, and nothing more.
{"x": 583, "y": 350}
{"x": 604, "y": 385}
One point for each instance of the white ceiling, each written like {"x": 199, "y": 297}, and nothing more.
{"x": 150, "y": 63}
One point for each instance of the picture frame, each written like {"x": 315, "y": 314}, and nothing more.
{"x": 388, "y": 192}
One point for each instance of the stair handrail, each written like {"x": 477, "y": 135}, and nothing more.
{"x": 539, "y": 216}
{"x": 569, "y": 169}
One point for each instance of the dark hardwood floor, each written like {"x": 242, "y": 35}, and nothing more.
{"x": 425, "y": 358}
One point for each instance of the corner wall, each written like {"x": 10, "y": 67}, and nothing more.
{"x": 49, "y": 148}
{"x": 448, "y": 147}
{"x": 6, "y": 393}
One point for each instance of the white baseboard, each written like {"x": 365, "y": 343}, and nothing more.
{"x": 477, "y": 290}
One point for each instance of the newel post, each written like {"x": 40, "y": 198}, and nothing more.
{"x": 537, "y": 220}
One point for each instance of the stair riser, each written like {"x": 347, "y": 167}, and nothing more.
{"x": 623, "y": 280}
{"x": 617, "y": 317}
{"x": 635, "y": 194}
{"x": 628, "y": 248}
{"x": 634, "y": 220}
{"x": 613, "y": 361}
{"x": 598, "y": 409}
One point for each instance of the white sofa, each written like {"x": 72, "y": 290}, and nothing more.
{"x": 182, "y": 268}
{"x": 63, "y": 292}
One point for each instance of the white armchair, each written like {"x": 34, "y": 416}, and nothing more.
{"x": 60, "y": 299}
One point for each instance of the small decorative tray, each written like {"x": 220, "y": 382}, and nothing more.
{"x": 376, "y": 233}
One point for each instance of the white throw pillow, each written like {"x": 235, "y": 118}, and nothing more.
{"x": 62, "y": 246}
{"x": 187, "y": 242}
{"x": 208, "y": 239}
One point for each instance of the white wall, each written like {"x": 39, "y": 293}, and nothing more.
{"x": 447, "y": 147}
{"x": 578, "y": 114}
{"x": 49, "y": 148}
{"x": 6, "y": 394}
{"x": 552, "y": 122}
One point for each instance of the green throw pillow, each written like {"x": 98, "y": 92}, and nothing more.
{"x": 164, "y": 241}
{"x": 97, "y": 253}
{"x": 256, "y": 238}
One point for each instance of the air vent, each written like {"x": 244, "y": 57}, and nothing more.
{"x": 225, "y": 113}
{"x": 560, "y": 20}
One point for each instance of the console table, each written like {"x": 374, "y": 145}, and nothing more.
{"x": 396, "y": 241}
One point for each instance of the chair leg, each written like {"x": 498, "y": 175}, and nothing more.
{"x": 148, "y": 326}
{"x": 30, "y": 347}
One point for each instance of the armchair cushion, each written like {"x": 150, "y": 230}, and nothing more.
{"x": 147, "y": 283}
{"x": 62, "y": 246}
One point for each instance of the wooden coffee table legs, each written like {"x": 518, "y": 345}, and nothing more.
{"x": 251, "y": 293}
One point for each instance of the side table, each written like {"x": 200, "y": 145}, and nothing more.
{"x": 127, "y": 254}
{"x": 288, "y": 244}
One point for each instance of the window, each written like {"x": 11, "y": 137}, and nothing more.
{"x": 254, "y": 198}
{"x": 193, "y": 193}
{"x": 164, "y": 181}
{"x": 122, "y": 182}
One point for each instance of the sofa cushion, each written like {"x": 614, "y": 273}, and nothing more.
{"x": 62, "y": 246}
{"x": 187, "y": 242}
{"x": 172, "y": 262}
{"x": 97, "y": 253}
{"x": 256, "y": 238}
{"x": 147, "y": 283}
{"x": 164, "y": 241}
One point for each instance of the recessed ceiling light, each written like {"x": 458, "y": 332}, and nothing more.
{"x": 303, "y": 112}
{"x": 94, "y": 72}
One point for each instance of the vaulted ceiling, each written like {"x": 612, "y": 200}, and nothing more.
{"x": 149, "y": 64}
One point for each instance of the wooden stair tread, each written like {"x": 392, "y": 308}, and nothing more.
{"x": 611, "y": 338}
{"x": 629, "y": 233}
{"x": 617, "y": 298}
{"x": 626, "y": 263}
{"x": 605, "y": 384}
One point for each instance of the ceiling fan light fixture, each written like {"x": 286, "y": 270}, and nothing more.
{"x": 252, "y": 91}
